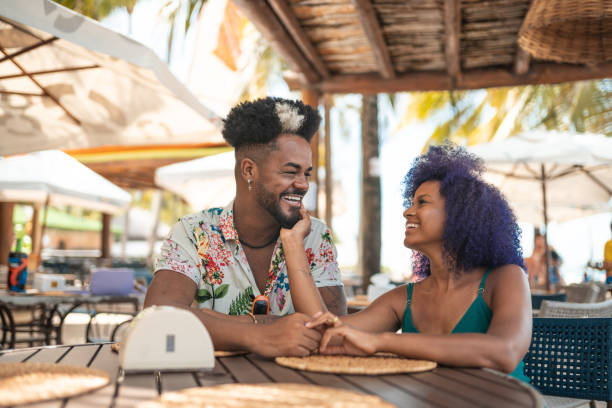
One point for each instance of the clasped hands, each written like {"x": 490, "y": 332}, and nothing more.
{"x": 338, "y": 338}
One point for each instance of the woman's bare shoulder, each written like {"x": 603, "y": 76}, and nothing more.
{"x": 507, "y": 276}
{"x": 508, "y": 271}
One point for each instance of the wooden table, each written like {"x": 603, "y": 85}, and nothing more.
{"x": 442, "y": 387}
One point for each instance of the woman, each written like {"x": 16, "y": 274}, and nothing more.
{"x": 471, "y": 307}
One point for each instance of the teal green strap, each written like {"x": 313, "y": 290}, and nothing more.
{"x": 409, "y": 291}
{"x": 482, "y": 282}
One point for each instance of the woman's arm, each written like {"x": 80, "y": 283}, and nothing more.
{"x": 381, "y": 315}
{"x": 304, "y": 293}
{"x": 501, "y": 347}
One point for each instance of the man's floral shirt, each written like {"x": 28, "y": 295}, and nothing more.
{"x": 205, "y": 247}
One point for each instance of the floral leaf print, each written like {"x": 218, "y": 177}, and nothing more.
{"x": 310, "y": 257}
{"x": 242, "y": 303}
{"x": 277, "y": 265}
{"x": 326, "y": 250}
{"x": 221, "y": 291}
{"x": 326, "y": 236}
{"x": 213, "y": 276}
{"x": 203, "y": 295}
{"x": 202, "y": 244}
{"x": 215, "y": 211}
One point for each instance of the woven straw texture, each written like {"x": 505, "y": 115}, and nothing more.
{"x": 371, "y": 365}
{"x": 571, "y": 357}
{"x": 265, "y": 396}
{"x": 574, "y": 31}
{"x": 537, "y": 299}
{"x": 25, "y": 383}
{"x": 568, "y": 309}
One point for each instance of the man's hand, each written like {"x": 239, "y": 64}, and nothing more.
{"x": 300, "y": 230}
{"x": 287, "y": 336}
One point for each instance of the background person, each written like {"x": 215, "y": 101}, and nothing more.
{"x": 536, "y": 265}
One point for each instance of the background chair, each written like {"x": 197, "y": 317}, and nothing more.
{"x": 571, "y": 310}
{"x": 536, "y": 299}
{"x": 603, "y": 291}
{"x": 582, "y": 292}
{"x": 570, "y": 358}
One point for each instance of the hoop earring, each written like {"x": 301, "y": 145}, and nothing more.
{"x": 250, "y": 184}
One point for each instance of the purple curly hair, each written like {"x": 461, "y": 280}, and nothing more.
{"x": 480, "y": 228}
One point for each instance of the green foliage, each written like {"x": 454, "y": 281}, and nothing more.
{"x": 242, "y": 304}
{"x": 97, "y": 9}
{"x": 170, "y": 10}
{"x": 471, "y": 117}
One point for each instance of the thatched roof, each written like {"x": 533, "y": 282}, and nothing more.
{"x": 406, "y": 45}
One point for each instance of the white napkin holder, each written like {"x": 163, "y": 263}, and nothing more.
{"x": 166, "y": 338}
{"x": 46, "y": 282}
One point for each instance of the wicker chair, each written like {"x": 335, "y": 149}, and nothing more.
{"x": 582, "y": 292}
{"x": 536, "y": 299}
{"x": 603, "y": 291}
{"x": 575, "y": 310}
{"x": 569, "y": 360}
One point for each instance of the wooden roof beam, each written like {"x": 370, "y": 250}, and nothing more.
{"x": 260, "y": 14}
{"x": 452, "y": 36}
{"x": 545, "y": 73}
{"x": 371, "y": 27}
{"x": 292, "y": 24}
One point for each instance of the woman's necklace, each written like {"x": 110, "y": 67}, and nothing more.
{"x": 246, "y": 244}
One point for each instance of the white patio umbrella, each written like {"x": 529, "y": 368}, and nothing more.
{"x": 203, "y": 183}
{"x": 551, "y": 175}
{"x": 53, "y": 177}
{"x": 208, "y": 181}
{"x": 68, "y": 82}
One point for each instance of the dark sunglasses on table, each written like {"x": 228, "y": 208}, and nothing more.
{"x": 260, "y": 305}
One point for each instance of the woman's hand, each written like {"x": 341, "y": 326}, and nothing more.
{"x": 347, "y": 340}
{"x": 341, "y": 339}
{"x": 300, "y": 230}
{"x": 324, "y": 320}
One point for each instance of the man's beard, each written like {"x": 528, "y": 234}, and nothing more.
{"x": 267, "y": 200}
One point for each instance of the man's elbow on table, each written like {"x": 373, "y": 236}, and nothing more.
{"x": 169, "y": 288}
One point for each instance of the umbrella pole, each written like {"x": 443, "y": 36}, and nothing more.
{"x": 545, "y": 214}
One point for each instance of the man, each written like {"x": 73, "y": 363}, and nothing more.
{"x": 230, "y": 260}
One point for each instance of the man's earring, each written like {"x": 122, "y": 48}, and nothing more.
{"x": 250, "y": 184}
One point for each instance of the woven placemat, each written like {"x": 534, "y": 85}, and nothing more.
{"x": 266, "y": 396}
{"x": 369, "y": 365}
{"x": 218, "y": 353}
{"x": 25, "y": 383}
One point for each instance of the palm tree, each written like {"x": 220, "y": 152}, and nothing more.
{"x": 98, "y": 9}
{"x": 171, "y": 11}
{"x": 473, "y": 117}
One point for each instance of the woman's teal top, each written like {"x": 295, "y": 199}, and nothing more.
{"x": 475, "y": 320}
